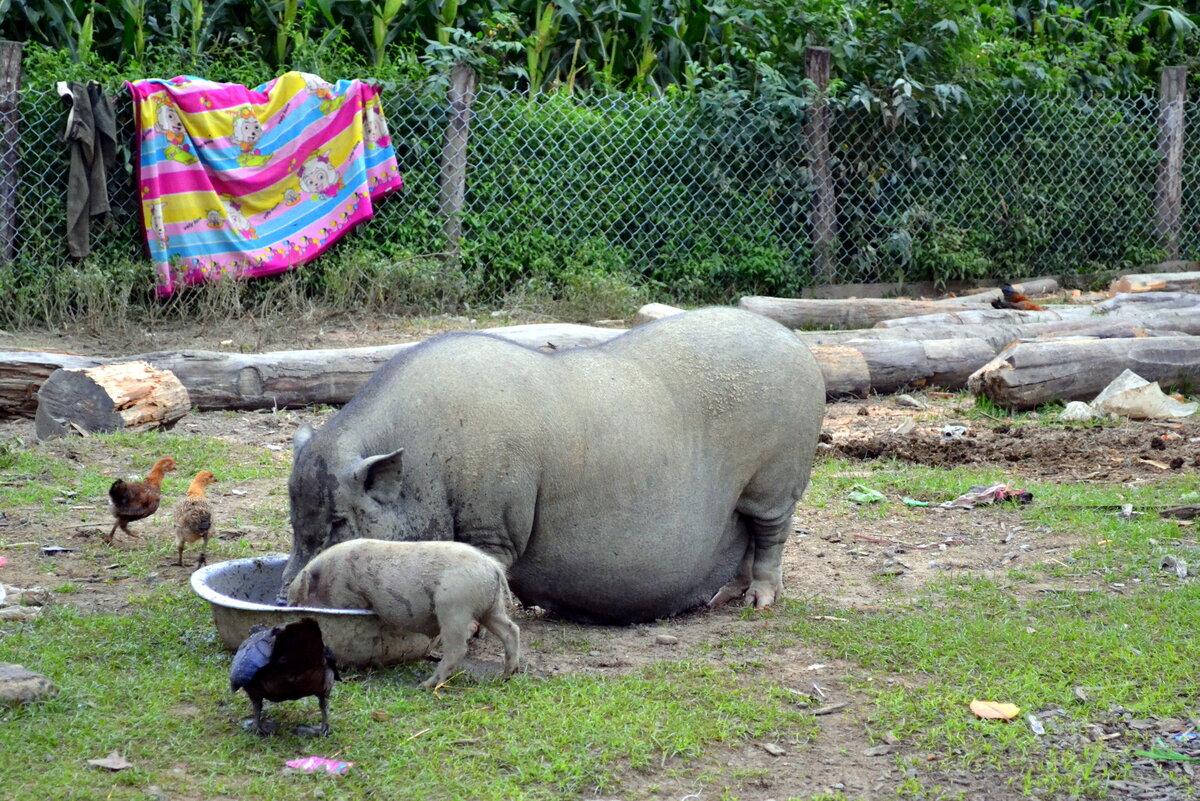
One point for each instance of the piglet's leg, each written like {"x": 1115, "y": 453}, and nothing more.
{"x": 455, "y": 627}
{"x": 498, "y": 623}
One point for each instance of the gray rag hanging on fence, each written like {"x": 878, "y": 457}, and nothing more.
{"x": 91, "y": 135}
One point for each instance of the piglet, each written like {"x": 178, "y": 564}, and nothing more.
{"x": 428, "y": 588}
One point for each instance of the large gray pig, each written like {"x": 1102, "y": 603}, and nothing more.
{"x": 619, "y": 483}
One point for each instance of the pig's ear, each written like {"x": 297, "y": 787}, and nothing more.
{"x": 303, "y": 434}
{"x": 380, "y": 476}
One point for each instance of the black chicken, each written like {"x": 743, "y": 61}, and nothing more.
{"x": 284, "y": 663}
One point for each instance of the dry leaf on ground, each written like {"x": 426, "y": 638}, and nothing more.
{"x": 995, "y": 710}
{"x": 114, "y": 761}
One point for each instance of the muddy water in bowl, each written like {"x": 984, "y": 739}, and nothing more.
{"x": 242, "y": 593}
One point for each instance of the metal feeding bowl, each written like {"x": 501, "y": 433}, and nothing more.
{"x": 242, "y": 593}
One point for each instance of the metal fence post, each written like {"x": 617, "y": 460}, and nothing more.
{"x": 452, "y": 177}
{"x": 1168, "y": 180}
{"x": 823, "y": 216}
{"x": 10, "y": 116}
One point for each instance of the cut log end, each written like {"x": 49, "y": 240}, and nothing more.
{"x": 1030, "y": 374}
{"x": 126, "y": 396}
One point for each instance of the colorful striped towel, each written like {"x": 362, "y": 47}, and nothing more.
{"x": 251, "y": 182}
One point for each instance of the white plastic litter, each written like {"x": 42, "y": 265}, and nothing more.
{"x": 1132, "y": 396}
{"x": 1077, "y": 411}
{"x": 954, "y": 431}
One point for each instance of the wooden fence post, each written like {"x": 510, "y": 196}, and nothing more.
{"x": 452, "y": 176}
{"x": 10, "y": 117}
{"x": 823, "y": 215}
{"x": 1168, "y": 180}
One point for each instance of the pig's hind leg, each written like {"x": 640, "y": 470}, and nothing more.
{"x": 767, "y": 505}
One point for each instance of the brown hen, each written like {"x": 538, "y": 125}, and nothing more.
{"x": 133, "y": 500}
{"x": 193, "y": 517}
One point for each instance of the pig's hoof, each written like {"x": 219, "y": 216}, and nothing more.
{"x": 761, "y": 594}
{"x": 730, "y": 592}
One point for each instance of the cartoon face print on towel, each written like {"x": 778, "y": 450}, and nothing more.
{"x": 238, "y": 182}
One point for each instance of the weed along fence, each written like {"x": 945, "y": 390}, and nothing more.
{"x": 688, "y": 199}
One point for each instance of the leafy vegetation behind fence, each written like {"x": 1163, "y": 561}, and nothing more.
{"x": 990, "y": 149}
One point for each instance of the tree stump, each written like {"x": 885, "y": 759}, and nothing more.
{"x": 126, "y": 396}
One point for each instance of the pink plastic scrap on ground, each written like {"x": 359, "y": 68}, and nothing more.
{"x": 314, "y": 764}
{"x": 981, "y": 495}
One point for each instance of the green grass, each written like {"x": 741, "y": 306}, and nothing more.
{"x": 45, "y": 475}
{"x": 834, "y": 478}
{"x": 153, "y": 684}
{"x": 971, "y": 638}
{"x": 45, "y": 480}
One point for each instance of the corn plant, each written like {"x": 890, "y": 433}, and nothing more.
{"x": 382, "y": 28}
{"x": 52, "y": 22}
{"x": 130, "y": 19}
{"x": 446, "y": 21}
{"x": 538, "y": 47}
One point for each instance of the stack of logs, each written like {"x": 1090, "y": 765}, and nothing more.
{"x": 1149, "y": 324}
{"x": 67, "y": 393}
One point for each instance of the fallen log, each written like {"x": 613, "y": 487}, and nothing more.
{"x": 1124, "y": 306}
{"x": 858, "y": 368}
{"x": 1141, "y": 301}
{"x": 814, "y": 313}
{"x": 23, "y": 372}
{"x": 1190, "y": 512}
{"x": 1029, "y": 374}
{"x": 126, "y": 396}
{"x": 1031, "y": 287}
{"x": 1171, "y": 322}
{"x": 280, "y": 379}
{"x": 976, "y": 315}
{"x": 845, "y": 371}
{"x": 1153, "y": 282}
{"x": 288, "y": 379}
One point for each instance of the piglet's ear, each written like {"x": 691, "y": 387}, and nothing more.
{"x": 380, "y": 476}
{"x": 303, "y": 434}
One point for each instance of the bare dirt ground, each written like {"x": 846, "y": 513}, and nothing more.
{"x": 864, "y": 563}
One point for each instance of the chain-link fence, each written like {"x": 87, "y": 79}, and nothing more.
{"x": 705, "y": 202}
{"x": 1009, "y": 186}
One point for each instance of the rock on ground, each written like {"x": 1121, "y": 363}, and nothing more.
{"x": 21, "y": 686}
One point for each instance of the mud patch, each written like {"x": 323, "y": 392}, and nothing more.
{"x": 938, "y": 439}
